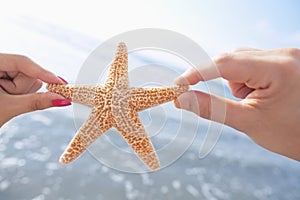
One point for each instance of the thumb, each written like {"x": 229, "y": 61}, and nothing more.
{"x": 36, "y": 101}
{"x": 218, "y": 109}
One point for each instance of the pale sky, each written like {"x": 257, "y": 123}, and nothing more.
{"x": 218, "y": 26}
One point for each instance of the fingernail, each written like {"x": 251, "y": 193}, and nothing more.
{"x": 61, "y": 102}
{"x": 62, "y": 79}
{"x": 181, "y": 80}
{"x": 178, "y": 80}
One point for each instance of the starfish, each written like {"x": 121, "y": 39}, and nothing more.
{"x": 115, "y": 104}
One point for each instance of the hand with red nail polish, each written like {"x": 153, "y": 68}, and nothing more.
{"x": 20, "y": 78}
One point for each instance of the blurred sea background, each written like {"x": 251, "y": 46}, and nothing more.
{"x": 60, "y": 36}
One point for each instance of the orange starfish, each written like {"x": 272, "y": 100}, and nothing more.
{"x": 115, "y": 104}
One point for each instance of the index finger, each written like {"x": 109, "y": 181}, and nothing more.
{"x": 249, "y": 68}
{"x": 194, "y": 75}
{"x": 236, "y": 67}
{"x": 11, "y": 62}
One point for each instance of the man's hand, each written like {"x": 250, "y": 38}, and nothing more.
{"x": 268, "y": 82}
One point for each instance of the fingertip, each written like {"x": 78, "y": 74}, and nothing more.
{"x": 61, "y": 102}
{"x": 63, "y": 80}
{"x": 49, "y": 77}
{"x": 181, "y": 80}
{"x": 50, "y": 99}
{"x": 189, "y": 77}
{"x": 52, "y": 96}
{"x": 203, "y": 104}
{"x": 188, "y": 101}
{"x": 57, "y": 80}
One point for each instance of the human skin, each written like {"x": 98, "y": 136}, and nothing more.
{"x": 20, "y": 78}
{"x": 268, "y": 84}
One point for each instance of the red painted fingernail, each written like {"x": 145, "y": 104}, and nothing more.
{"x": 62, "y": 79}
{"x": 61, "y": 102}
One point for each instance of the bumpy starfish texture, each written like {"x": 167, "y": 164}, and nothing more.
{"x": 115, "y": 104}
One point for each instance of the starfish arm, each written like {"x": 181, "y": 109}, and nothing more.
{"x": 119, "y": 67}
{"x": 135, "y": 135}
{"x": 127, "y": 122}
{"x": 143, "y": 98}
{"x": 81, "y": 94}
{"x": 94, "y": 127}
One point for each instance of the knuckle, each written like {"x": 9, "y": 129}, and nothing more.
{"x": 239, "y": 49}
{"x": 36, "y": 104}
{"x": 242, "y": 49}
{"x": 289, "y": 64}
{"x": 223, "y": 59}
{"x": 294, "y": 52}
{"x": 23, "y": 57}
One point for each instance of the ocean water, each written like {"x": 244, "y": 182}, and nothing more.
{"x": 236, "y": 168}
{"x": 30, "y": 144}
